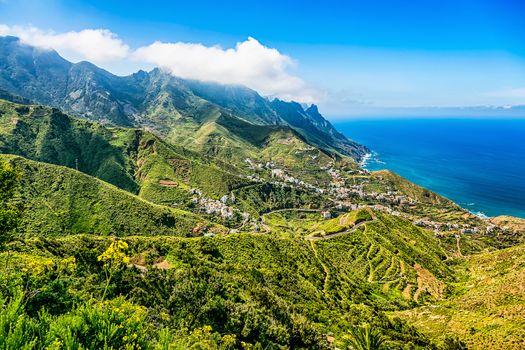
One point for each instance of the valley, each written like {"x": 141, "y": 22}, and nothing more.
{"x": 153, "y": 212}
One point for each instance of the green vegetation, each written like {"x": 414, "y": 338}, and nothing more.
{"x": 391, "y": 254}
{"x": 47, "y": 135}
{"x": 158, "y": 162}
{"x": 486, "y": 307}
{"x": 9, "y": 211}
{"x": 364, "y": 338}
{"x": 266, "y": 197}
{"x": 342, "y": 223}
{"x": 139, "y": 161}
{"x": 225, "y": 221}
{"x": 224, "y": 292}
{"x": 59, "y": 201}
{"x": 251, "y": 289}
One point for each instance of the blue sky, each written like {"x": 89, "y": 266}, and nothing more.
{"x": 345, "y": 55}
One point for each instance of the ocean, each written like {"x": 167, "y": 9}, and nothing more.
{"x": 477, "y": 163}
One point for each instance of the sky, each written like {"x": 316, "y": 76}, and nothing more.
{"x": 347, "y": 56}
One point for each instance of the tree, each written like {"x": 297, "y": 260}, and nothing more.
{"x": 452, "y": 343}
{"x": 9, "y": 210}
{"x": 365, "y": 338}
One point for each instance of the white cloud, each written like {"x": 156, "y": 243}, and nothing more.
{"x": 98, "y": 46}
{"x": 250, "y": 63}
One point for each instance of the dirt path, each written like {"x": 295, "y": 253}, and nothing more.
{"x": 458, "y": 238}
{"x": 325, "y": 269}
{"x": 332, "y": 235}
{"x": 267, "y": 228}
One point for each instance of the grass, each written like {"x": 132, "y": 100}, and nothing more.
{"x": 228, "y": 282}
{"x": 342, "y": 223}
{"x": 486, "y": 307}
{"x": 60, "y": 201}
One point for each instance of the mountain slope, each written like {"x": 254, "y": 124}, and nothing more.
{"x": 141, "y": 163}
{"x": 47, "y": 135}
{"x": 59, "y": 201}
{"x": 392, "y": 254}
{"x": 115, "y": 155}
{"x": 155, "y": 99}
{"x": 315, "y": 128}
{"x": 486, "y": 309}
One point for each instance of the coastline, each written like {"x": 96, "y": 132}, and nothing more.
{"x": 474, "y": 163}
{"x": 373, "y": 156}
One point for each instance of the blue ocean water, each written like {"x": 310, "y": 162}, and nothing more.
{"x": 478, "y": 163}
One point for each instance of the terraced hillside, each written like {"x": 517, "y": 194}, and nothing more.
{"x": 388, "y": 252}
{"x": 486, "y": 308}
{"x": 258, "y": 289}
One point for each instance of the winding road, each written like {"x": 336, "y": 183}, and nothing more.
{"x": 332, "y": 235}
{"x": 313, "y": 238}
{"x": 306, "y": 210}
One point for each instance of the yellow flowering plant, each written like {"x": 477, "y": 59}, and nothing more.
{"x": 113, "y": 258}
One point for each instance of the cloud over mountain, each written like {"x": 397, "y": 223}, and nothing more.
{"x": 96, "y": 45}
{"x": 249, "y": 63}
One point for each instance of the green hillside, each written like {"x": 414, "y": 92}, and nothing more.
{"x": 47, "y": 135}
{"x": 122, "y": 157}
{"x": 486, "y": 308}
{"x": 390, "y": 253}
{"x": 266, "y": 290}
{"x": 62, "y": 201}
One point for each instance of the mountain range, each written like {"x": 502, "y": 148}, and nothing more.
{"x": 161, "y": 213}
{"x": 156, "y": 99}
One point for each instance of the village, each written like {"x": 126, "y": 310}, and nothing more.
{"x": 343, "y": 195}
{"x": 348, "y": 197}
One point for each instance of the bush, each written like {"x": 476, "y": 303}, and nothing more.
{"x": 115, "y": 324}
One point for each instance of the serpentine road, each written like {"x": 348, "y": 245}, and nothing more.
{"x": 267, "y": 228}
{"x": 332, "y": 235}
{"x": 312, "y": 238}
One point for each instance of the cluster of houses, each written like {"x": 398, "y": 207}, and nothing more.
{"x": 449, "y": 226}
{"x": 280, "y": 177}
{"x": 437, "y": 226}
{"x": 217, "y": 207}
{"x": 341, "y": 191}
{"x": 290, "y": 180}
